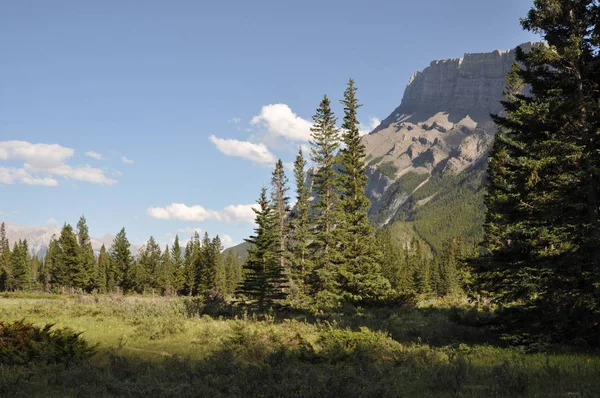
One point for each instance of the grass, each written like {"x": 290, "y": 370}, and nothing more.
{"x": 167, "y": 347}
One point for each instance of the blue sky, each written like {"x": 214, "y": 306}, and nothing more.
{"x": 125, "y": 110}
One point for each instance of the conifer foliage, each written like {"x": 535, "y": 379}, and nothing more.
{"x": 543, "y": 203}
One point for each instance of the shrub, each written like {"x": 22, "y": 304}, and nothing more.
{"x": 22, "y": 343}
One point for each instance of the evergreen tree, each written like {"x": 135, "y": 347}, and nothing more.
{"x": 165, "y": 273}
{"x": 19, "y": 267}
{"x": 361, "y": 269}
{"x": 281, "y": 207}
{"x": 87, "y": 261}
{"x": 102, "y": 270}
{"x": 189, "y": 282}
{"x": 396, "y": 262}
{"x": 205, "y": 272}
{"x": 122, "y": 272}
{"x": 263, "y": 275}
{"x": 5, "y": 256}
{"x": 233, "y": 272}
{"x": 300, "y": 226}
{"x": 421, "y": 268}
{"x": 543, "y": 203}
{"x": 326, "y": 210}
{"x": 69, "y": 259}
{"x": 450, "y": 266}
{"x": 149, "y": 264}
{"x": 57, "y": 274}
{"x": 178, "y": 262}
{"x": 220, "y": 283}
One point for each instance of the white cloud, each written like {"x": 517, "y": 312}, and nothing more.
{"x": 255, "y": 152}
{"x": 94, "y": 155}
{"x": 180, "y": 211}
{"x": 366, "y": 129}
{"x": 48, "y": 159}
{"x": 126, "y": 161}
{"x": 226, "y": 240}
{"x": 279, "y": 120}
{"x": 10, "y": 175}
{"x": 235, "y": 120}
{"x": 238, "y": 213}
{"x": 36, "y": 155}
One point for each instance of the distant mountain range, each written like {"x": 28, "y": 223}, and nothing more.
{"x": 38, "y": 238}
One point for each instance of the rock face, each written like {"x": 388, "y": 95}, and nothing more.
{"x": 442, "y": 129}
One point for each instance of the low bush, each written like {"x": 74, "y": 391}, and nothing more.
{"x": 22, "y": 343}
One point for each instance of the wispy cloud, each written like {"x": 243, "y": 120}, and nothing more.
{"x": 183, "y": 212}
{"x": 125, "y": 160}
{"x": 258, "y": 153}
{"x": 235, "y": 120}
{"x": 94, "y": 155}
{"x": 367, "y": 128}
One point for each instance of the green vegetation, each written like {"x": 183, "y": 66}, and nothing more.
{"x": 543, "y": 203}
{"x": 388, "y": 169}
{"x": 170, "y": 347}
{"x": 411, "y": 180}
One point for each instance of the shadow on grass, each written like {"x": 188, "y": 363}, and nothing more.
{"x": 404, "y": 323}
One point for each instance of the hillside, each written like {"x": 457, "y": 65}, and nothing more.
{"x": 427, "y": 159}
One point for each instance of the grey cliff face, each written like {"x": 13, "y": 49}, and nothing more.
{"x": 442, "y": 126}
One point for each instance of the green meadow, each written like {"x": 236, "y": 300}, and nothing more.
{"x": 147, "y": 346}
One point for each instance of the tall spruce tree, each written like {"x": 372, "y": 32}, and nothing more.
{"x": 264, "y": 277}
{"x": 178, "y": 265}
{"x": 165, "y": 273}
{"x": 233, "y": 271}
{"x": 102, "y": 270}
{"x": 189, "y": 281}
{"x": 19, "y": 273}
{"x": 280, "y": 201}
{"x": 149, "y": 267}
{"x": 4, "y": 258}
{"x": 219, "y": 284}
{"x": 542, "y": 227}
{"x": 87, "y": 261}
{"x": 300, "y": 226}
{"x": 360, "y": 272}
{"x": 326, "y": 208}
{"x": 69, "y": 259}
{"x": 122, "y": 270}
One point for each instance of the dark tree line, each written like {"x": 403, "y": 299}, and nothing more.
{"x": 71, "y": 266}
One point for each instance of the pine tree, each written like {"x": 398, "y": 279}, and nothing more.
{"x": 300, "y": 226}
{"x": 264, "y": 278}
{"x": 69, "y": 258}
{"x": 205, "y": 272}
{"x": 58, "y": 276}
{"x": 396, "y": 262}
{"x": 233, "y": 272}
{"x": 149, "y": 264}
{"x": 19, "y": 267}
{"x": 542, "y": 226}
{"x": 122, "y": 272}
{"x": 219, "y": 284}
{"x": 453, "y": 253}
{"x": 87, "y": 260}
{"x": 5, "y": 256}
{"x": 102, "y": 270}
{"x": 326, "y": 210}
{"x": 178, "y": 266}
{"x": 421, "y": 267}
{"x": 281, "y": 207}
{"x": 361, "y": 269}
{"x": 190, "y": 266}
{"x": 165, "y": 273}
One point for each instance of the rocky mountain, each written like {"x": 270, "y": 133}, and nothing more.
{"x": 427, "y": 158}
{"x": 38, "y": 238}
